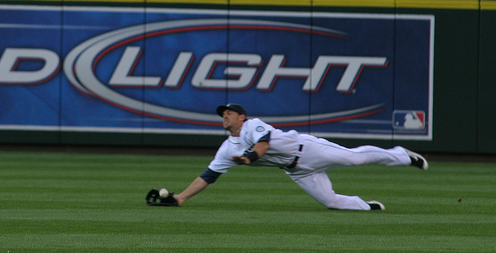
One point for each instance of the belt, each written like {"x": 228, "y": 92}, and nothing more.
{"x": 295, "y": 161}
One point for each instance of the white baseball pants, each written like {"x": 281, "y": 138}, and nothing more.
{"x": 319, "y": 155}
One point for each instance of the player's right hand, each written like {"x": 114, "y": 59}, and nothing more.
{"x": 241, "y": 160}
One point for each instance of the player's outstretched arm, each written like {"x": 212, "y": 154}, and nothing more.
{"x": 197, "y": 186}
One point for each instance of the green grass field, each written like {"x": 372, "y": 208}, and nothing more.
{"x": 63, "y": 202}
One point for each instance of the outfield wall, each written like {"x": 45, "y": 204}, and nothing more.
{"x": 151, "y": 73}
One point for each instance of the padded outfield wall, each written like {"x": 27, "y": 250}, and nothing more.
{"x": 151, "y": 73}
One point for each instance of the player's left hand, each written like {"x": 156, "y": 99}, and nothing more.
{"x": 241, "y": 160}
{"x": 153, "y": 198}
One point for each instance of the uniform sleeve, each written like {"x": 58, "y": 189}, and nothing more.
{"x": 210, "y": 176}
{"x": 257, "y": 131}
{"x": 222, "y": 161}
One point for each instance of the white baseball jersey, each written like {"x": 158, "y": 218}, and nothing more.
{"x": 281, "y": 153}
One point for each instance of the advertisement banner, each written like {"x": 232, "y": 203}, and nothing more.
{"x": 157, "y": 70}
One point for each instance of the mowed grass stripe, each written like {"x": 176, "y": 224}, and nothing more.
{"x": 227, "y": 217}
{"x": 95, "y": 203}
{"x": 193, "y": 242}
{"x": 83, "y": 227}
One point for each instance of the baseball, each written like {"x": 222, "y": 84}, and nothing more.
{"x": 163, "y": 193}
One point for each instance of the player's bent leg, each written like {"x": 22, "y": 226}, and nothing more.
{"x": 318, "y": 186}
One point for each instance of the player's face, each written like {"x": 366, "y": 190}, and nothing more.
{"x": 232, "y": 121}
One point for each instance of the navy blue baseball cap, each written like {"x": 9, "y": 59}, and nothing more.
{"x": 235, "y": 107}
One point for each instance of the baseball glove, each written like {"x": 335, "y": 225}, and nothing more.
{"x": 153, "y": 199}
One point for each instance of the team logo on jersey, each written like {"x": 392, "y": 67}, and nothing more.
{"x": 260, "y": 129}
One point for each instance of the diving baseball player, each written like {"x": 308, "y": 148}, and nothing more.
{"x": 303, "y": 157}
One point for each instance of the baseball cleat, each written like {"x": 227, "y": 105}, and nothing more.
{"x": 417, "y": 160}
{"x": 376, "y": 205}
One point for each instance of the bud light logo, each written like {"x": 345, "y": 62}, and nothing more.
{"x": 81, "y": 61}
{"x": 329, "y": 74}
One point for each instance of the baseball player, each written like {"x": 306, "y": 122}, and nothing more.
{"x": 305, "y": 158}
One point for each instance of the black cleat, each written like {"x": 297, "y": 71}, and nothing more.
{"x": 417, "y": 160}
{"x": 376, "y": 205}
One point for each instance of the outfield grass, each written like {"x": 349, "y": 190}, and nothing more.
{"x": 52, "y": 202}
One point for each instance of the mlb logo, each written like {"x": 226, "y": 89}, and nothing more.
{"x": 409, "y": 120}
